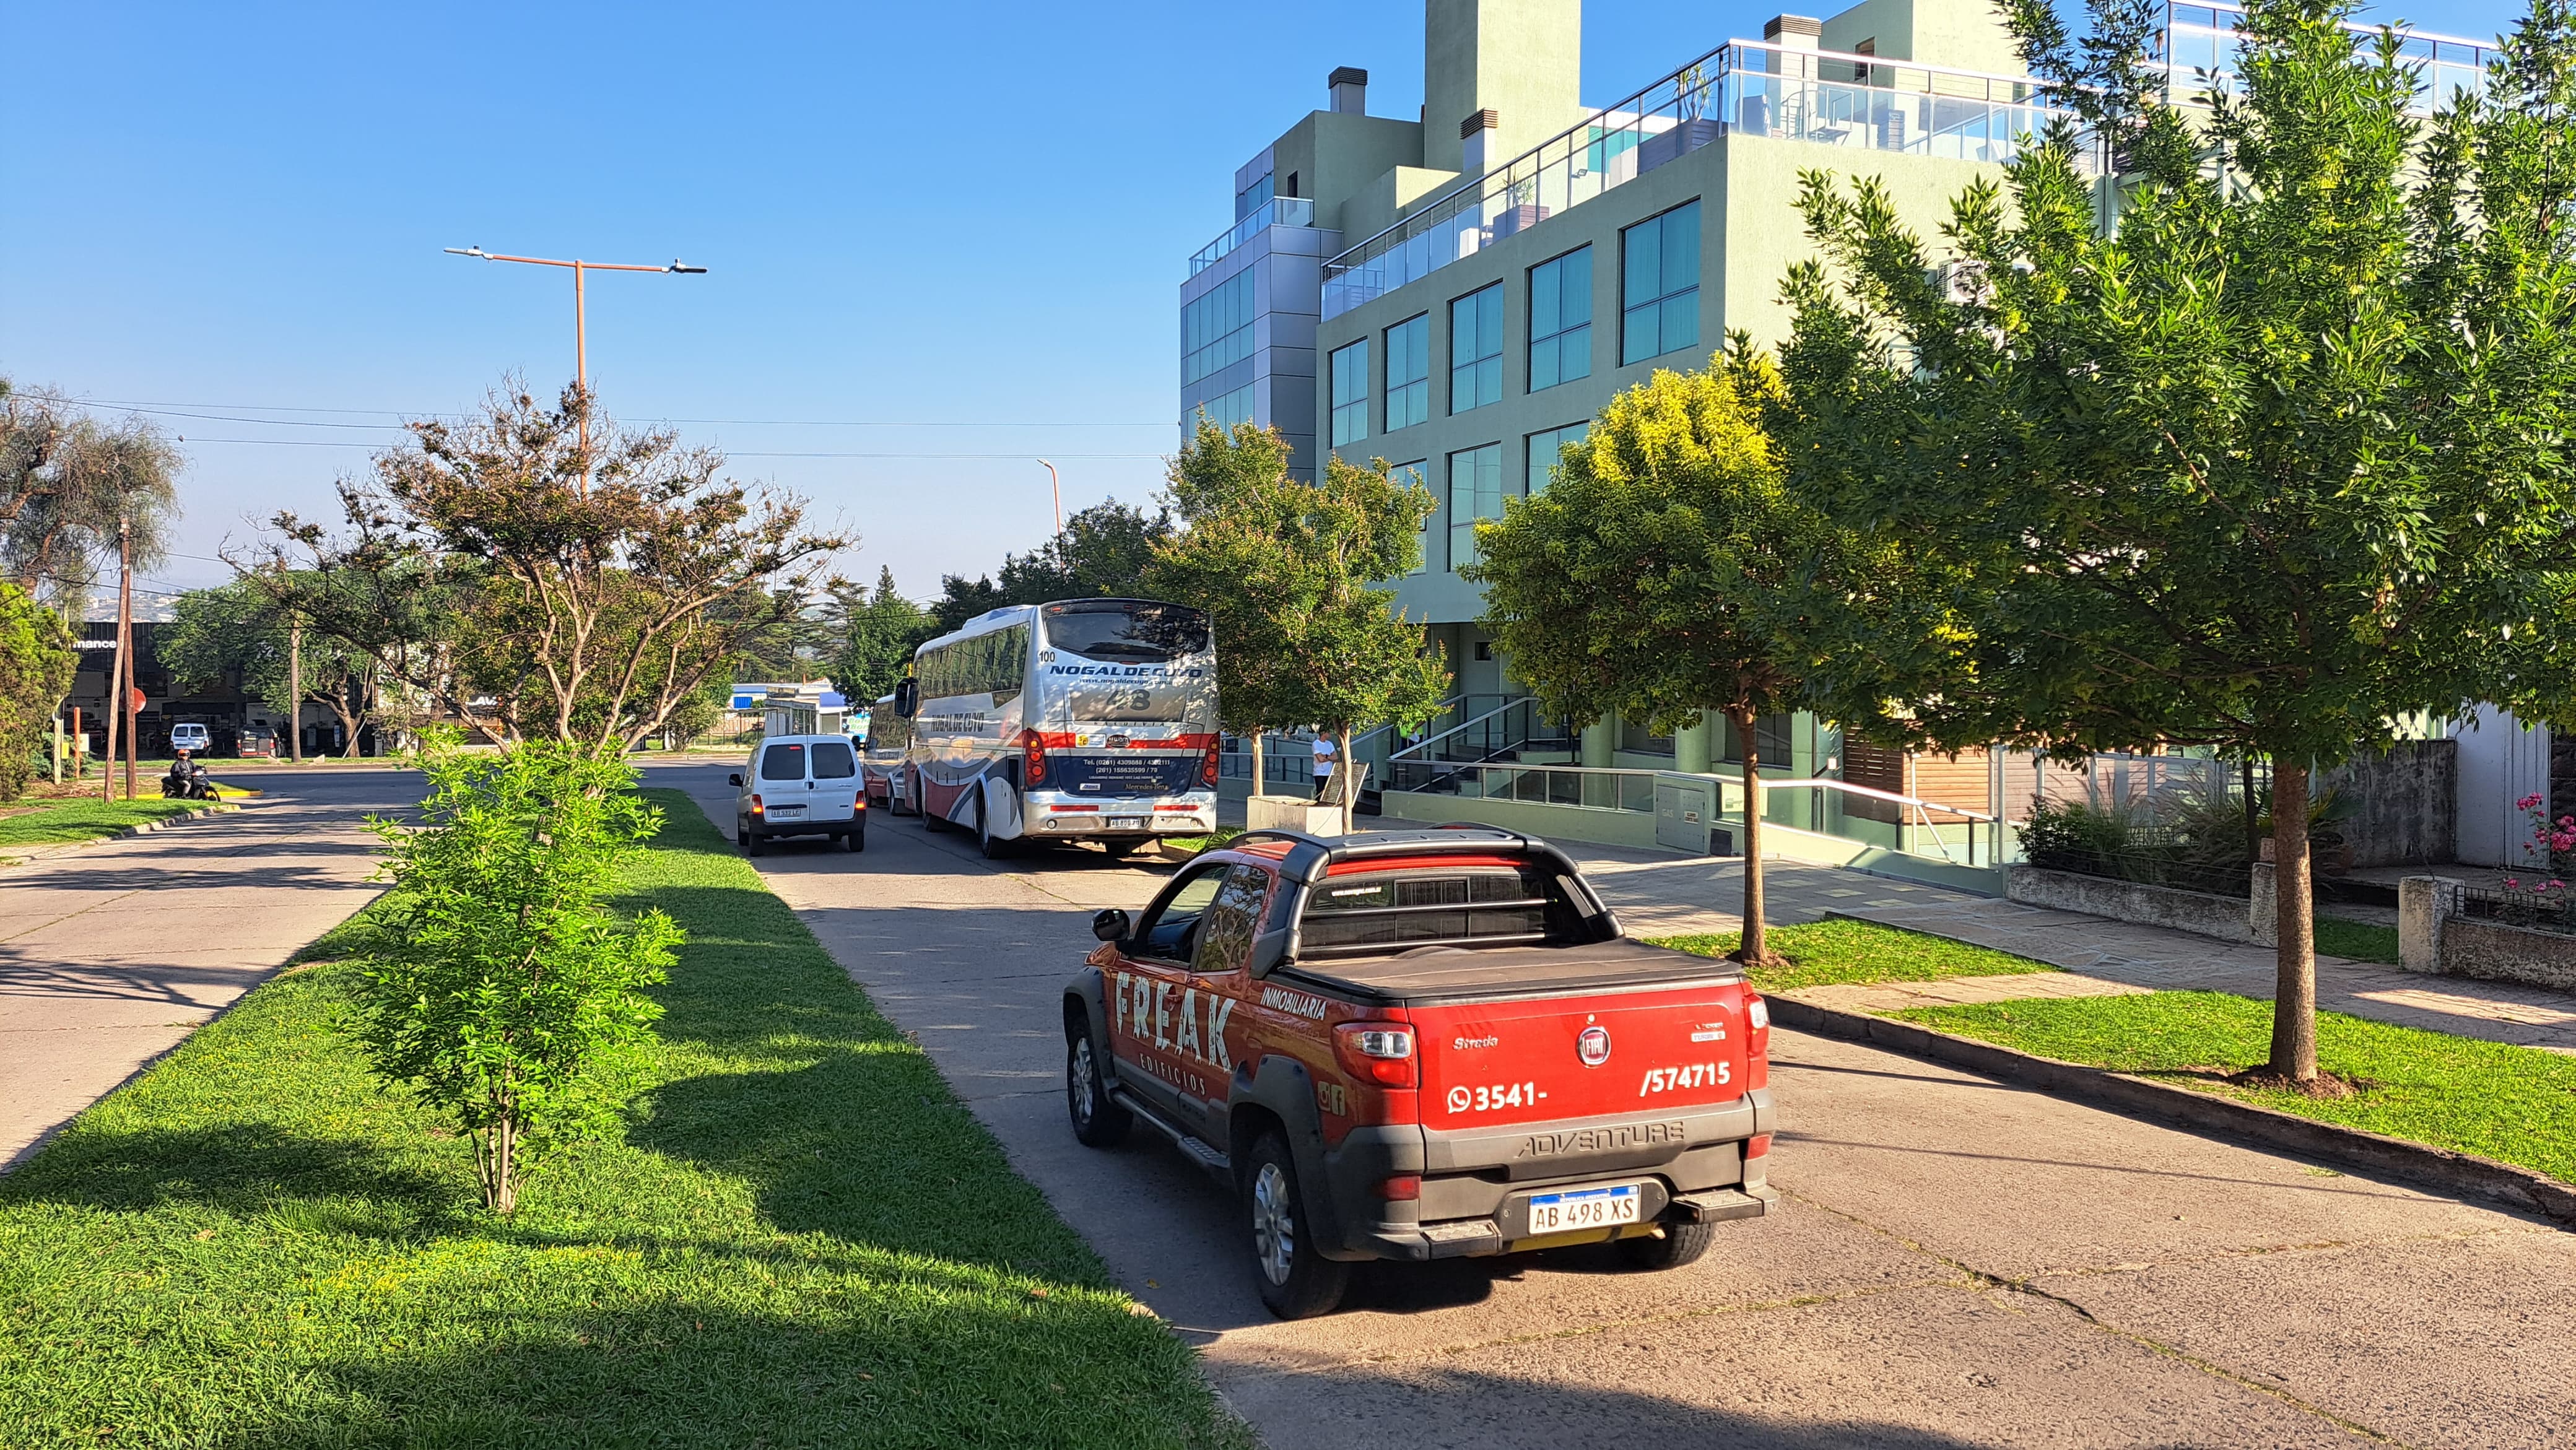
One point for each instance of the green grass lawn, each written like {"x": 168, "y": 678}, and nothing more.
{"x": 801, "y": 1239}
{"x": 1841, "y": 951}
{"x": 2358, "y": 940}
{"x": 2513, "y": 1104}
{"x": 52, "y": 822}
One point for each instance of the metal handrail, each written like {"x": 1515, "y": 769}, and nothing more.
{"x": 1461, "y": 725}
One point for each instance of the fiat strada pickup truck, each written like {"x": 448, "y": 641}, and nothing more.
{"x": 1420, "y": 1045}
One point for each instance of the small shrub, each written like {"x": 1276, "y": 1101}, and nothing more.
{"x": 500, "y": 989}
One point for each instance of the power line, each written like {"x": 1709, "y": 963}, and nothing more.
{"x": 729, "y": 452}
{"x": 175, "y": 410}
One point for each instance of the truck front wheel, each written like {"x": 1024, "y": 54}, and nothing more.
{"x": 1296, "y": 1282}
{"x": 1679, "y": 1244}
{"x": 1098, "y": 1121}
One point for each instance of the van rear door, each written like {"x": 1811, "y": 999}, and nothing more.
{"x": 834, "y": 792}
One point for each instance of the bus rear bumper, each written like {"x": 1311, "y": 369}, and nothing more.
{"x": 1187, "y": 815}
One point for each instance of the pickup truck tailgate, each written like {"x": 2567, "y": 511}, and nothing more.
{"x": 1546, "y": 1059}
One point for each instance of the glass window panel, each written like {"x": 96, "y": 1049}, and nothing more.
{"x": 1475, "y": 492}
{"x": 1560, "y": 311}
{"x": 1643, "y": 263}
{"x": 1349, "y": 368}
{"x": 1544, "y": 451}
{"x": 1681, "y": 251}
{"x": 1476, "y": 349}
{"x": 1411, "y": 473}
{"x": 1408, "y": 372}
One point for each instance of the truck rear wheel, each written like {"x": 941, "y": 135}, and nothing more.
{"x": 1295, "y": 1281}
{"x": 1680, "y": 1244}
{"x": 1098, "y": 1121}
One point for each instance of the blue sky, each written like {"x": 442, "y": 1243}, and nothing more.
{"x": 914, "y": 216}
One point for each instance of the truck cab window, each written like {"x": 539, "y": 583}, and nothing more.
{"x": 1398, "y": 910}
{"x": 1170, "y": 929}
{"x": 1232, "y": 919}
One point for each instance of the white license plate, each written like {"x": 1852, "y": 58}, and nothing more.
{"x": 1552, "y": 1213}
{"x": 786, "y": 810}
{"x": 1126, "y": 823}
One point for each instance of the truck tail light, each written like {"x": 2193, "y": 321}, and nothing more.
{"x": 1757, "y": 1146}
{"x": 1402, "y": 1188}
{"x": 1757, "y": 1013}
{"x": 1207, "y": 761}
{"x": 1377, "y": 1052}
{"x": 1033, "y": 747}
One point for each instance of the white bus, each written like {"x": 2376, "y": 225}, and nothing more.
{"x": 1082, "y": 719}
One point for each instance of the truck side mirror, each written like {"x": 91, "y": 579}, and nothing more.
{"x": 734, "y": 779}
{"x": 1111, "y": 925}
{"x": 1268, "y": 950}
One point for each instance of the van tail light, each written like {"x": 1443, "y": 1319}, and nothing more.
{"x": 1033, "y": 747}
{"x": 1757, "y": 1146}
{"x": 755, "y": 805}
{"x": 1402, "y": 1188}
{"x": 1376, "y": 1052}
{"x": 1207, "y": 761}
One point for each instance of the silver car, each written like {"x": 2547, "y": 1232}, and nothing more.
{"x": 800, "y": 785}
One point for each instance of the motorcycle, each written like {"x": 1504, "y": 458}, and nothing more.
{"x": 189, "y": 780}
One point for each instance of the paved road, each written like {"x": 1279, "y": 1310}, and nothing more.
{"x": 111, "y": 955}
{"x": 1956, "y": 1263}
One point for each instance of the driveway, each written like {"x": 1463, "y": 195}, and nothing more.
{"x": 1956, "y": 1262}
{"x": 111, "y": 955}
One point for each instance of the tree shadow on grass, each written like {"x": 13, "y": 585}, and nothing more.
{"x": 868, "y": 1146}
{"x": 240, "y": 1168}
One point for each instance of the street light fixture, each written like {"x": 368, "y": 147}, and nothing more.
{"x": 1058, "y": 488}
{"x": 580, "y": 315}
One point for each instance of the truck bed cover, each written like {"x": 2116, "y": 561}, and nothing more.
{"x": 1432, "y": 974}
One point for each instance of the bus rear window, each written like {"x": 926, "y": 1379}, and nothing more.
{"x": 1398, "y": 910}
{"x": 1125, "y": 629}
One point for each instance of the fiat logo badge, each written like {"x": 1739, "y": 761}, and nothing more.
{"x": 1593, "y": 1046}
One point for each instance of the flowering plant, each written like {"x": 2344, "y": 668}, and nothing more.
{"x": 2555, "y": 841}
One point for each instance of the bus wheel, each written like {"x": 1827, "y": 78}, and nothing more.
{"x": 930, "y": 820}
{"x": 995, "y": 848}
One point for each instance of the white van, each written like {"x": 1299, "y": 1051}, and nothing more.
{"x": 191, "y": 736}
{"x": 800, "y": 785}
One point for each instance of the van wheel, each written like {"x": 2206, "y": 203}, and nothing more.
{"x": 1098, "y": 1121}
{"x": 1295, "y": 1281}
{"x": 752, "y": 845}
{"x": 1681, "y": 1243}
{"x": 855, "y": 840}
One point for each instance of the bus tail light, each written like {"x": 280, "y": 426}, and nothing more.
{"x": 1207, "y": 762}
{"x": 1377, "y": 1052}
{"x": 1033, "y": 746}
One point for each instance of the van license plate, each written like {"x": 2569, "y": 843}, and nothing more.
{"x": 1126, "y": 823}
{"x": 1551, "y": 1213}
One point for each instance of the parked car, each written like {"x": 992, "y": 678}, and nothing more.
{"x": 1422, "y": 1045}
{"x": 192, "y": 737}
{"x": 800, "y": 785}
{"x": 258, "y": 742}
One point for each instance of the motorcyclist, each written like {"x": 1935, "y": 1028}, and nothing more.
{"x": 186, "y": 778}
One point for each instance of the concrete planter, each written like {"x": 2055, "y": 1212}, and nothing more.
{"x": 2433, "y": 937}
{"x": 1291, "y": 813}
{"x": 2224, "y": 917}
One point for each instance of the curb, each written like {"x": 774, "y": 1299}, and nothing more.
{"x": 2461, "y": 1174}
{"x": 65, "y": 848}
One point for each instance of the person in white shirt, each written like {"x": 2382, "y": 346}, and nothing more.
{"x": 1324, "y": 760}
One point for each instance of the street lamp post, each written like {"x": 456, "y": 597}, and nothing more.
{"x": 1057, "y": 488}
{"x": 580, "y": 317}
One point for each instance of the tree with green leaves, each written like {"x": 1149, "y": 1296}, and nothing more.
{"x": 36, "y": 665}
{"x": 874, "y": 637}
{"x": 66, "y": 482}
{"x": 500, "y": 988}
{"x": 1660, "y": 575}
{"x": 239, "y": 627}
{"x": 2273, "y": 462}
{"x": 1103, "y": 551}
{"x": 1285, "y": 571}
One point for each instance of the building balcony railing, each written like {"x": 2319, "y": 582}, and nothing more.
{"x": 1745, "y": 87}
{"x": 1278, "y": 211}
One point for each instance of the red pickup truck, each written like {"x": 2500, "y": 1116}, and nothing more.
{"x": 1421, "y": 1045}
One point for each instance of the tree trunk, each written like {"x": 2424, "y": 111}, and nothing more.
{"x": 496, "y": 1151}
{"x": 1346, "y": 777}
{"x": 1753, "y": 950}
{"x": 2294, "y": 996}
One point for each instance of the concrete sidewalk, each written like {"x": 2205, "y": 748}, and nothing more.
{"x": 110, "y": 956}
{"x": 1662, "y": 895}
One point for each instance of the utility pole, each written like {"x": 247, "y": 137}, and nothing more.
{"x": 295, "y": 682}
{"x": 115, "y": 694}
{"x": 580, "y": 320}
{"x": 125, "y": 640}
